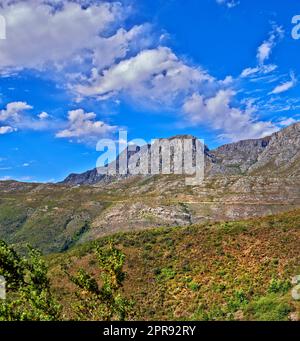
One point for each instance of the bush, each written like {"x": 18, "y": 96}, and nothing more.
{"x": 29, "y": 297}
{"x": 269, "y": 308}
{"x": 105, "y": 301}
{"x": 278, "y": 286}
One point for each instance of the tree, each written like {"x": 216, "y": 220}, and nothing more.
{"x": 104, "y": 301}
{"x": 29, "y": 296}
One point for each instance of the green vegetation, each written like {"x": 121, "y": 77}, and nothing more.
{"x": 269, "y": 308}
{"x": 217, "y": 271}
{"x": 30, "y": 297}
{"x": 103, "y": 302}
{"x": 214, "y": 271}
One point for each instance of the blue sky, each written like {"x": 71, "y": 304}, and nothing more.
{"x": 73, "y": 72}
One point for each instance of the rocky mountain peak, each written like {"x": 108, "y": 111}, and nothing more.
{"x": 278, "y": 153}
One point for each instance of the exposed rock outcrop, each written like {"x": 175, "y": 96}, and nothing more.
{"x": 275, "y": 154}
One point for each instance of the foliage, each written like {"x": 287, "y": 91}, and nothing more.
{"x": 28, "y": 288}
{"x": 102, "y": 301}
{"x": 269, "y": 308}
{"x": 203, "y": 272}
{"x": 215, "y": 271}
{"x": 279, "y": 286}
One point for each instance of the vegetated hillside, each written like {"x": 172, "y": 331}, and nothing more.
{"x": 56, "y": 217}
{"x": 217, "y": 271}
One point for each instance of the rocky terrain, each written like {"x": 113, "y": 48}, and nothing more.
{"x": 243, "y": 180}
{"x": 277, "y": 154}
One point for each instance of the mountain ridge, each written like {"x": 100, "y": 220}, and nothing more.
{"x": 238, "y": 158}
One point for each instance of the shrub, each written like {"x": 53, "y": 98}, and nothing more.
{"x": 28, "y": 288}
{"x": 105, "y": 301}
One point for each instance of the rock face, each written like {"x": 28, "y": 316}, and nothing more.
{"x": 237, "y": 158}
{"x": 138, "y": 159}
{"x": 282, "y": 155}
{"x": 276, "y": 154}
{"x": 88, "y": 178}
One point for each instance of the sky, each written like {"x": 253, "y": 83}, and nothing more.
{"x": 74, "y": 72}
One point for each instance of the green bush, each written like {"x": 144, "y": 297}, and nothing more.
{"x": 269, "y": 308}
{"x": 279, "y": 286}
{"x": 102, "y": 301}
{"x": 29, "y": 297}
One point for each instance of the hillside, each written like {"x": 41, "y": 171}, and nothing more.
{"x": 216, "y": 271}
{"x": 56, "y": 217}
{"x": 245, "y": 180}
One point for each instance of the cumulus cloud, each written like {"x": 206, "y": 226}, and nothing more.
{"x": 43, "y": 115}
{"x": 107, "y": 50}
{"x": 6, "y": 130}
{"x": 17, "y": 115}
{"x": 285, "y": 86}
{"x": 218, "y": 113}
{"x": 11, "y": 116}
{"x": 13, "y": 111}
{"x": 98, "y": 57}
{"x": 84, "y": 127}
{"x": 52, "y": 34}
{"x": 157, "y": 75}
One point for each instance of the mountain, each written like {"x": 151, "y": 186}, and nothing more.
{"x": 282, "y": 155}
{"x": 225, "y": 249}
{"x": 275, "y": 154}
{"x": 244, "y": 180}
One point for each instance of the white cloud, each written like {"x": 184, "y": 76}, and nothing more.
{"x": 218, "y": 113}
{"x": 285, "y": 86}
{"x": 6, "y": 130}
{"x": 52, "y": 34}
{"x": 11, "y": 116}
{"x": 43, "y": 115}
{"x": 265, "y": 49}
{"x": 16, "y": 117}
{"x": 5, "y": 178}
{"x": 263, "y": 54}
{"x": 13, "y": 111}
{"x": 227, "y": 81}
{"x": 99, "y": 58}
{"x": 107, "y": 50}
{"x": 156, "y": 75}
{"x": 287, "y": 122}
{"x": 84, "y": 127}
{"x": 261, "y": 69}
